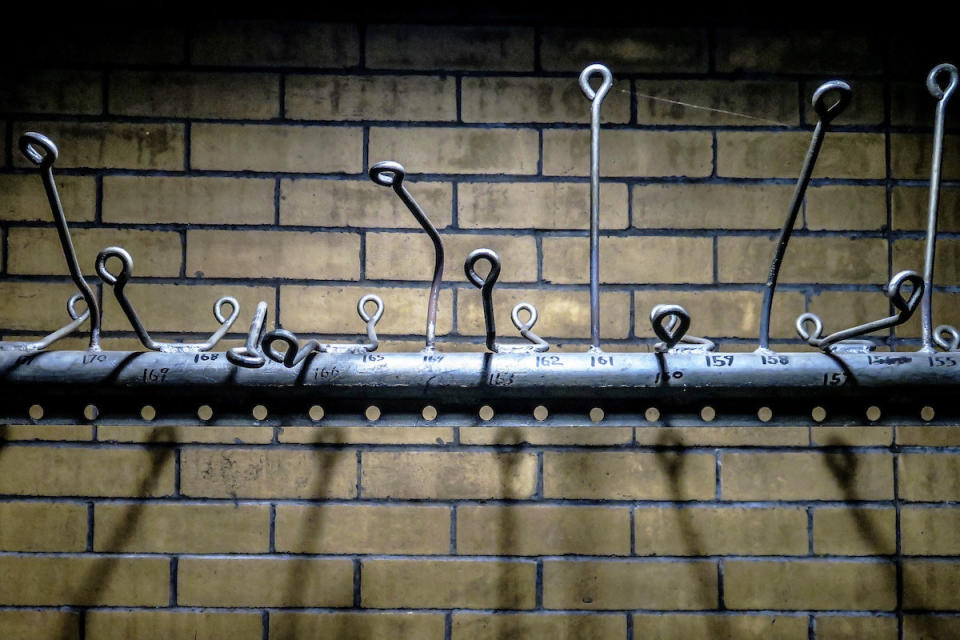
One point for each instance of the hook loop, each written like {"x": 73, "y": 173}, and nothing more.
{"x": 43, "y": 158}
{"x": 515, "y": 316}
{"x": 949, "y": 343}
{"x": 677, "y": 322}
{"x": 469, "y": 268}
{"x": 388, "y": 174}
{"x": 126, "y": 270}
{"x": 816, "y": 329}
{"x": 362, "y": 311}
{"x": 933, "y": 81}
{"x": 827, "y": 112}
{"x": 249, "y": 354}
{"x": 606, "y": 77}
{"x": 895, "y": 291}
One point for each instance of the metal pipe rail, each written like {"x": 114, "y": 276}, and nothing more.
{"x": 432, "y": 388}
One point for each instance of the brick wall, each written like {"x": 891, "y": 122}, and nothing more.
{"x": 231, "y": 158}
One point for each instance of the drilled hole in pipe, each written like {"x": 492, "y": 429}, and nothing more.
{"x": 259, "y": 412}
{"x": 372, "y": 413}
{"x": 927, "y": 413}
{"x": 429, "y": 413}
{"x": 873, "y": 413}
{"x": 148, "y": 413}
{"x": 652, "y": 414}
{"x": 540, "y": 413}
{"x": 35, "y": 412}
{"x": 819, "y": 414}
{"x": 486, "y": 412}
{"x": 596, "y": 414}
{"x": 707, "y": 414}
{"x": 315, "y": 413}
{"x": 764, "y": 414}
{"x": 90, "y": 412}
{"x": 205, "y": 412}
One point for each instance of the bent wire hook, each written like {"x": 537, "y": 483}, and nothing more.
{"x": 295, "y": 354}
{"x": 119, "y": 282}
{"x": 250, "y": 354}
{"x": 391, "y": 174}
{"x": 486, "y": 293}
{"x": 674, "y": 331}
{"x": 62, "y": 332}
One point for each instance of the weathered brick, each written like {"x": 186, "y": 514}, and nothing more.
{"x": 204, "y": 434}
{"x": 195, "y": 95}
{"x": 409, "y": 256}
{"x": 49, "y": 432}
{"x": 931, "y": 585}
{"x": 710, "y": 206}
{"x": 626, "y": 153}
{"x": 549, "y": 100}
{"x": 119, "y": 145}
{"x": 193, "y": 200}
{"x": 718, "y": 102}
{"x": 628, "y": 260}
{"x": 629, "y": 585}
{"x": 865, "y": 108}
{"x": 291, "y": 625}
{"x": 910, "y": 156}
{"x": 43, "y": 624}
{"x": 24, "y": 198}
{"x": 908, "y": 254}
{"x": 946, "y": 306}
{"x": 931, "y": 532}
{"x": 764, "y": 154}
{"x": 843, "y": 309}
{"x": 543, "y": 205}
{"x": 448, "y": 583}
{"x": 424, "y": 98}
{"x": 583, "y": 436}
{"x": 267, "y": 147}
{"x": 684, "y": 627}
{"x": 454, "y": 475}
{"x": 850, "y": 436}
{"x": 807, "y": 476}
{"x": 34, "y": 250}
{"x": 721, "y": 313}
{"x": 856, "y": 627}
{"x": 798, "y": 51}
{"x": 929, "y": 476}
{"x": 929, "y": 627}
{"x": 912, "y": 105}
{"x": 52, "y": 91}
{"x": 385, "y": 529}
{"x": 367, "y": 435}
{"x": 265, "y": 582}
{"x": 806, "y": 584}
{"x": 460, "y": 150}
{"x": 624, "y": 50}
{"x": 84, "y": 581}
{"x": 628, "y": 476}
{"x": 843, "y": 207}
{"x": 43, "y": 526}
{"x": 808, "y": 259}
{"x": 542, "y": 530}
{"x": 909, "y": 208}
{"x": 473, "y": 626}
{"x": 275, "y": 44}
{"x": 928, "y": 436}
{"x": 486, "y": 48}
{"x": 350, "y": 203}
{"x": 206, "y": 625}
{"x": 854, "y": 531}
{"x": 695, "y": 531}
{"x": 34, "y": 305}
{"x": 75, "y": 471}
{"x": 103, "y": 43}
{"x": 721, "y": 436}
{"x": 181, "y": 528}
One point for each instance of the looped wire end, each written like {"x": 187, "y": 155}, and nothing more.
{"x": 670, "y": 323}
{"x": 388, "y": 174}
{"x": 939, "y": 92}
{"x": 947, "y": 337}
{"x": 828, "y": 111}
{"x": 606, "y": 77}
{"x": 28, "y": 144}
{"x": 250, "y": 354}
{"x": 77, "y": 319}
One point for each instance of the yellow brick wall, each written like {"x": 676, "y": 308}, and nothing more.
{"x": 230, "y": 158}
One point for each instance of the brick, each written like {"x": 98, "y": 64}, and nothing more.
{"x": 721, "y": 313}
{"x": 626, "y": 153}
{"x": 438, "y": 584}
{"x": 40, "y": 625}
{"x": 628, "y": 476}
{"x": 332, "y": 309}
{"x": 43, "y": 526}
{"x": 24, "y": 198}
{"x": 854, "y": 531}
{"x": 551, "y": 100}
{"x": 476, "y": 48}
{"x": 204, "y": 434}
{"x": 265, "y": 582}
{"x": 908, "y": 254}
{"x": 628, "y": 260}
{"x": 865, "y": 108}
{"x": 52, "y": 91}
{"x": 453, "y": 475}
{"x": 930, "y": 532}
{"x": 843, "y": 309}
{"x": 718, "y": 102}
{"x": 193, "y": 200}
{"x": 930, "y": 627}
{"x": 910, "y": 155}
{"x": 105, "y": 44}
{"x": 763, "y": 154}
{"x": 472, "y": 626}
{"x": 831, "y": 260}
{"x": 275, "y": 44}
{"x": 354, "y": 203}
{"x": 928, "y": 436}
{"x": 276, "y": 148}
{"x": 290, "y": 625}
{"x": 543, "y": 205}
{"x": 805, "y": 584}
{"x": 542, "y": 530}
{"x": 563, "y": 313}
{"x": 181, "y": 528}
{"x": 911, "y": 105}
{"x": 931, "y": 585}
{"x": 722, "y": 436}
{"x": 624, "y": 50}
{"x": 682, "y": 627}
{"x": 409, "y": 256}
{"x": 49, "y": 432}
{"x": 710, "y": 206}
{"x": 853, "y": 628}
{"x": 182, "y": 308}
{"x": 582, "y": 436}
{"x": 367, "y": 435}
{"x": 946, "y": 306}
{"x": 34, "y": 250}
{"x": 909, "y": 208}
{"x": 268, "y": 473}
{"x": 35, "y": 306}
{"x": 696, "y": 531}
{"x": 75, "y": 471}
{"x": 629, "y": 585}
{"x": 798, "y": 51}
{"x": 195, "y": 625}
{"x": 930, "y": 477}
{"x": 461, "y": 150}
{"x": 113, "y": 145}
{"x": 844, "y": 207}
{"x": 195, "y": 95}
{"x": 408, "y": 97}
{"x": 84, "y": 581}
{"x": 806, "y": 476}
{"x": 851, "y": 436}
{"x": 380, "y": 529}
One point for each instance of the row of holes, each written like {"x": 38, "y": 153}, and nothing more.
{"x": 486, "y": 413}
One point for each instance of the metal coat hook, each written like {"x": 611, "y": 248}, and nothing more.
{"x": 250, "y": 354}
{"x": 295, "y": 354}
{"x": 826, "y": 113}
{"x": 942, "y": 96}
{"x": 486, "y": 293}
{"x": 596, "y": 99}
{"x": 42, "y": 152}
{"x": 62, "y": 332}
{"x": 119, "y": 282}
{"x": 391, "y": 174}
{"x": 670, "y": 323}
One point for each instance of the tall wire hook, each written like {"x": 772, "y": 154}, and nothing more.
{"x": 250, "y": 355}
{"x": 670, "y": 323}
{"x": 39, "y": 345}
{"x": 119, "y": 282}
{"x": 42, "y": 152}
{"x": 391, "y": 174}
{"x": 486, "y": 294}
{"x": 826, "y": 113}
